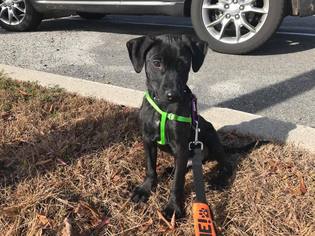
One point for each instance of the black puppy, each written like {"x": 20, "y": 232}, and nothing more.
{"x": 167, "y": 60}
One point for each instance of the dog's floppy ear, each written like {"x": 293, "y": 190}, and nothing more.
{"x": 137, "y": 49}
{"x": 199, "y": 51}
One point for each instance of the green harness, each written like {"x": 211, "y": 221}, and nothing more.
{"x": 164, "y": 117}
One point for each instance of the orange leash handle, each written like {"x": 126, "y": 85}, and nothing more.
{"x": 203, "y": 223}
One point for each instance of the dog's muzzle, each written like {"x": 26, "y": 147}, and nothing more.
{"x": 173, "y": 96}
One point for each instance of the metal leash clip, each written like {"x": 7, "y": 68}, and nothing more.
{"x": 196, "y": 143}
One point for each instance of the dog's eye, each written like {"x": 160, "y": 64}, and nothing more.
{"x": 157, "y": 63}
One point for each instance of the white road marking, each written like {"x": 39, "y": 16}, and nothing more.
{"x": 295, "y": 33}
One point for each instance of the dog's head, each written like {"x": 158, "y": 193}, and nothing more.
{"x": 167, "y": 60}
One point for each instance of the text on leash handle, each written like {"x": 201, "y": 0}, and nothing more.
{"x": 203, "y": 223}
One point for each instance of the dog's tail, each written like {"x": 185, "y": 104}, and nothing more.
{"x": 245, "y": 149}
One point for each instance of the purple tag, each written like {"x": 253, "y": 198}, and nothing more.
{"x": 194, "y": 109}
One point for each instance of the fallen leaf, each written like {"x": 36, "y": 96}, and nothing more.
{"x": 67, "y": 229}
{"x": 259, "y": 196}
{"x": 23, "y": 93}
{"x": 303, "y": 188}
{"x": 219, "y": 229}
{"x": 7, "y": 116}
{"x": 61, "y": 162}
{"x": 91, "y": 209}
{"x": 10, "y": 231}
{"x": 146, "y": 225}
{"x": 65, "y": 202}
{"x": 138, "y": 145}
{"x": 43, "y": 162}
{"x": 4, "y": 115}
{"x": 273, "y": 166}
{"x": 105, "y": 221}
{"x": 51, "y": 108}
{"x": 11, "y": 211}
{"x": 116, "y": 178}
{"x": 44, "y": 221}
{"x": 162, "y": 230}
{"x": 86, "y": 211}
{"x": 300, "y": 189}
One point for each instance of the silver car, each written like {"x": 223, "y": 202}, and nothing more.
{"x": 229, "y": 26}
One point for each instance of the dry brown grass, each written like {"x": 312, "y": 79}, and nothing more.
{"x": 68, "y": 161}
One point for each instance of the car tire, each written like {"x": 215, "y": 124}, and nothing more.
{"x": 23, "y": 16}
{"x": 91, "y": 16}
{"x": 251, "y": 29}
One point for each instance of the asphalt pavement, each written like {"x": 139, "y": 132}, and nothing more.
{"x": 277, "y": 81}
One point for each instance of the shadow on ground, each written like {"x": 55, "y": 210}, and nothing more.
{"x": 41, "y": 154}
{"x": 285, "y": 44}
{"x": 274, "y": 94}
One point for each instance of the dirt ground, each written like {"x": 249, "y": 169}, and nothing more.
{"x": 69, "y": 163}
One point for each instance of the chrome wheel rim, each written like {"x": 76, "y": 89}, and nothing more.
{"x": 12, "y": 12}
{"x": 234, "y": 21}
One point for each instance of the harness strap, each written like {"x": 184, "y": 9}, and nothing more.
{"x": 164, "y": 117}
{"x": 162, "y": 128}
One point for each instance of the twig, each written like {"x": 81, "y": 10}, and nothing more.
{"x": 165, "y": 220}
{"x": 124, "y": 205}
{"x": 65, "y": 202}
{"x": 149, "y": 222}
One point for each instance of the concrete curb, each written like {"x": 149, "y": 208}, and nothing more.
{"x": 222, "y": 118}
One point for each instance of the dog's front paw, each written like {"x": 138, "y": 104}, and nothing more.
{"x": 226, "y": 170}
{"x": 219, "y": 183}
{"x": 140, "y": 194}
{"x": 223, "y": 178}
{"x": 172, "y": 207}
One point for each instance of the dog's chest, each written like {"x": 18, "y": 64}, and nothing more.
{"x": 151, "y": 128}
{"x": 151, "y": 125}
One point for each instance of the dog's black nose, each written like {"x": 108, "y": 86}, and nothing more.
{"x": 170, "y": 96}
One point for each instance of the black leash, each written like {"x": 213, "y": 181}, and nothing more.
{"x": 203, "y": 223}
